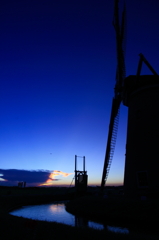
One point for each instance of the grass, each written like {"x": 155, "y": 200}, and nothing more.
{"x": 12, "y": 227}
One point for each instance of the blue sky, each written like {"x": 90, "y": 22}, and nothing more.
{"x": 57, "y": 72}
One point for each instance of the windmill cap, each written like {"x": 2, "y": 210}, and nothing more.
{"x": 135, "y": 83}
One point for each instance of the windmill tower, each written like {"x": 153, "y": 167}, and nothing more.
{"x": 142, "y": 151}
{"x": 141, "y": 95}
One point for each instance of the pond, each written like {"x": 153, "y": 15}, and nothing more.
{"x": 56, "y": 212}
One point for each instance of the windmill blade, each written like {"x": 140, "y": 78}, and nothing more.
{"x": 120, "y": 45}
{"x": 120, "y": 76}
{"x": 123, "y": 44}
{"x": 112, "y": 134}
{"x": 123, "y": 27}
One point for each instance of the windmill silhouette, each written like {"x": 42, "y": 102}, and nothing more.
{"x": 118, "y": 91}
{"x": 140, "y": 93}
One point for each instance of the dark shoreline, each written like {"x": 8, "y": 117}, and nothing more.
{"x": 117, "y": 211}
{"x": 21, "y": 228}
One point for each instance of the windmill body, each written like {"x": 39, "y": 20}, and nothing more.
{"x": 142, "y": 150}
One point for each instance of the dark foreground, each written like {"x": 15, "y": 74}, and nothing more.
{"x": 12, "y": 227}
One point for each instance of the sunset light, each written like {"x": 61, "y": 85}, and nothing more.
{"x": 51, "y": 180}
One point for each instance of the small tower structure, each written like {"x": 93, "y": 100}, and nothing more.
{"x": 81, "y": 177}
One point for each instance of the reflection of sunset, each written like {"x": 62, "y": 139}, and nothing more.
{"x": 51, "y": 179}
{"x": 56, "y": 208}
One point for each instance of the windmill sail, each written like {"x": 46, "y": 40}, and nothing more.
{"x": 120, "y": 75}
{"x": 112, "y": 134}
{"x": 120, "y": 46}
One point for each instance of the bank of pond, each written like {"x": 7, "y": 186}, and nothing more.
{"x": 93, "y": 217}
{"x": 56, "y": 212}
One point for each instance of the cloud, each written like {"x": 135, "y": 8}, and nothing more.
{"x": 58, "y": 173}
{"x": 32, "y": 178}
{"x": 53, "y": 174}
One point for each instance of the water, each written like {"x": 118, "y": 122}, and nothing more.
{"x": 56, "y": 212}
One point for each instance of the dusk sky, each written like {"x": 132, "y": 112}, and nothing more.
{"x": 57, "y": 74}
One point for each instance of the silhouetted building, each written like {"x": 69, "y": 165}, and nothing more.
{"x": 80, "y": 178}
{"x": 142, "y": 147}
{"x": 21, "y": 184}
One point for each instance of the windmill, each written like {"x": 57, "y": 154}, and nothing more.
{"x": 141, "y": 96}
{"x": 140, "y": 93}
{"x": 118, "y": 91}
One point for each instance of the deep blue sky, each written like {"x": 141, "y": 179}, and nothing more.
{"x": 57, "y": 73}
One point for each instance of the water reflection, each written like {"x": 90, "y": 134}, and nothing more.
{"x": 81, "y": 222}
{"x": 56, "y": 207}
{"x": 118, "y": 229}
{"x": 56, "y": 213}
{"x": 95, "y": 225}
